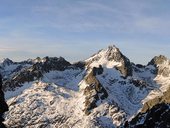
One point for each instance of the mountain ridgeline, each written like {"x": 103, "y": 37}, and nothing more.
{"x": 106, "y": 90}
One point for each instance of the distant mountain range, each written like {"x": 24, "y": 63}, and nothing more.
{"x": 105, "y": 91}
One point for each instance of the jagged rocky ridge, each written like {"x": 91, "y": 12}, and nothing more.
{"x": 34, "y": 71}
{"x": 105, "y": 90}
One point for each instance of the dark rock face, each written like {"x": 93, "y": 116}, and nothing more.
{"x": 53, "y": 63}
{"x": 94, "y": 92}
{"x": 125, "y": 69}
{"x": 165, "y": 98}
{"x": 157, "y": 117}
{"x": 155, "y": 113}
{"x": 29, "y": 62}
{"x": 97, "y": 71}
{"x": 3, "y": 104}
{"x": 80, "y": 65}
{"x": 114, "y": 54}
{"x": 140, "y": 66}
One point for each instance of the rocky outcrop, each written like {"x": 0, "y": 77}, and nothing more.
{"x": 20, "y": 78}
{"x": 94, "y": 91}
{"x": 97, "y": 71}
{"x": 164, "y": 98}
{"x": 164, "y": 71}
{"x": 154, "y": 113}
{"x": 162, "y": 65}
{"x": 157, "y": 117}
{"x": 138, "y": 83}
{"x": 3, "y": 105}
{"x": 53, "y": 63}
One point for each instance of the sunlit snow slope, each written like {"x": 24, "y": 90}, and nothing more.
{"x": 104, "y": 91}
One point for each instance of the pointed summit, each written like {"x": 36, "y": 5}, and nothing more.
{"x": 6, "y": 62}
{"x": 112, "y": 48}
{"x": 162, "y": 65}
{"x": 110, "y": 58}
{"x": 158, "y": 60}
{"x": 105, "y": 56}
{"x": 113, "y": 53}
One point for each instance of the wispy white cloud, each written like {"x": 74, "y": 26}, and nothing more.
{"x": 81, "y": 16}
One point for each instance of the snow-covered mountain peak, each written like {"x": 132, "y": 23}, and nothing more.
{"x": 38, "y": 60}
{"x": 103, "y": 91}
{"x": 110, "y": 58}
{"x": 6, "y": 62}
{"x": 48, "y": 59}
{"x": 159, "y": 60}
{"x": 162, "y": 65}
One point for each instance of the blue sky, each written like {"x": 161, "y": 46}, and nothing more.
{"x": 75, "y": 29}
